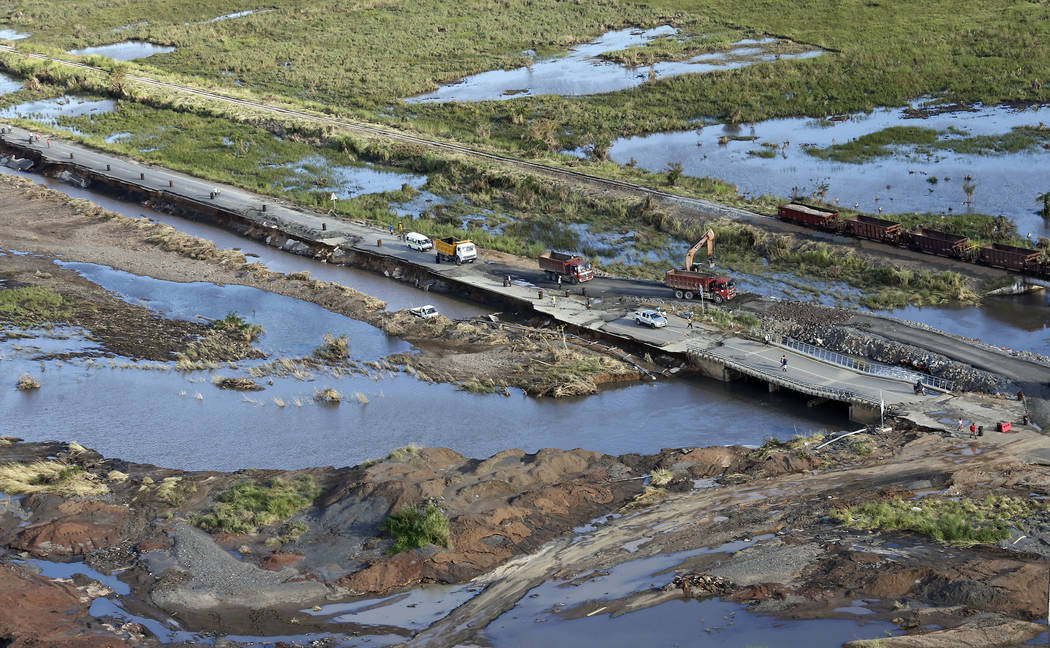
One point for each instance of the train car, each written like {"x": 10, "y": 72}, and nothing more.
{"x": 819, "y": 217}
{"x": 1009, "y": 257}
{"x": 875, "y": 229}
{"x": 941, "y": 243}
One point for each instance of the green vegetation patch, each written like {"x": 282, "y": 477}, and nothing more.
{"x": 964, "y": 521}
{"x": 69, "y": 480}
{"x": 245, "y": 507}
{"x": 27, "y": 306}
{"x": 413, "y": 528}
{"x": 918, "y": 141}
{"x": 236, "y": 327}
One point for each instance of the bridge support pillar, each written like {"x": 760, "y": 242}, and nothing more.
{"x": 713, "y": 369}
{"x": 773, "y": 387}
{"x": 864, "y": 414}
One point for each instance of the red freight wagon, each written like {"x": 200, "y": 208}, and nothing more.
{"x": 942, "y": 243}
{"x": 826, "y": 219}
{"x": 1008, "y": 256}
{"x": 875, "y": 229}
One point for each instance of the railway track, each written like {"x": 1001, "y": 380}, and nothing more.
{"x": 558, "y": 173}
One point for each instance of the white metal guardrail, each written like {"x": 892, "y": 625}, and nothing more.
{"x": 860, "y": 364}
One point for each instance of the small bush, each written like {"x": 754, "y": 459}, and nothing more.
{"x": 660, "y": 476}
{"x": 236, "y": 326}
{"x": 49, "y": 477}
{"x": 328, "y": 396}
{"x": 334, "y": 349}
{"x": 27, "y": 383}
{"x": 247, "y": 506}
{"x": 412, "y": 529}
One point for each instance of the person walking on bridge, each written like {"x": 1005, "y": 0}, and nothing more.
{"x": 783, "y": 363}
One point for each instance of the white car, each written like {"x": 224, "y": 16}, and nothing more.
{"x": 417, "y": 241}
{"x": 426, "y": 312}
{"x": 650, "y": 318}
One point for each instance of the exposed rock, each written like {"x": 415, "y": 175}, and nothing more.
{"x": 280, "y": 559}
{"x": 700, "y": 585}
{"x": 983, "y": 631}
{"x": 81, "y": 528}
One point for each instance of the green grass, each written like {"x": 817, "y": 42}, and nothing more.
{"x": 914, "y": 140}
{"x": 235, "y": 326}
{"x": 247, "y": 506}
{"x": 964, "y": 521}
{"x": 413, "y": 529}
{"x": 27, "y": 306}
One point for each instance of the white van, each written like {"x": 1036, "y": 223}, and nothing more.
{"x": 417, "y": 241}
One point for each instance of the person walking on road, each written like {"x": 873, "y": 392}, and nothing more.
{"x": 690, "y": 324}
{"x": 960, "y": 428}
{"x": 973, "y": 430}
{"x": 783, "y": 363}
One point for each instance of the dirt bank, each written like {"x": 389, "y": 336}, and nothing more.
{"x": 480, "y": 357}
{"x": 511, "y": 521}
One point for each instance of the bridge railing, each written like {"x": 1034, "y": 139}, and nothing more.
{"x": 861, "y": 364}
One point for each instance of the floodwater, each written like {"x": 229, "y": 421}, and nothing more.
{"x": 131, "y": 50}
{"x": 7, "y": 84}
{"x": 236, "y": 14}
{"x": 555, "y": 611}
{"x": 581, "y": 72}
{"x": 348, "y": 181}
{"x": 1006, "y": 184}
{"x": 11, "y": 35}
{"x": 48, "y": 111}
{"x": 398, "y": 295}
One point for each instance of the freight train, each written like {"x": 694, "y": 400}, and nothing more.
{"x": 1028, "y": 261}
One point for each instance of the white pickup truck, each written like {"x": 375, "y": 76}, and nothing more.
{"x": 425, "y": 312}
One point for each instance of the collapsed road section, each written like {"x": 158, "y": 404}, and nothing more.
{"x": 776, "y": 362}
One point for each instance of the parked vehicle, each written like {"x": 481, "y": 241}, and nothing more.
{"x": 458, "y": 250}
{"x": 697, "y": 285}
{"x": 425, "y": 312}
{"x": 819, "y": 217}
{"x": 569, "y": 267}
{"x": 650, "y": 318}
{"x": 417, "y": 241}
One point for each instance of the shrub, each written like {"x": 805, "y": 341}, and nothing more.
{"x": 245, "y": 507}
{"x": 660, "y": 476}
{"x": 235, "y": 326}
{"x": 334, "y": 349}
{"x": 27, "y": 383}
{"x": 412, "y": 529}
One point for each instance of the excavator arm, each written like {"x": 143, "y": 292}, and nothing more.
{"x": 709, "y": 239}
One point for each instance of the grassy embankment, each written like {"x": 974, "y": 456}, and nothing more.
{"x": 965, "y": 521}
{"x": 246, "y": 507}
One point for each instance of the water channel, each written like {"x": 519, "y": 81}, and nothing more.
{"x": 131, "y": 50}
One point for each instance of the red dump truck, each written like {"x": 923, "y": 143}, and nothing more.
{"x": 697, "y": 285}
{"x": 1010, "y": 257}
{"x": 569, "y": 267}
{"x": 942, "y": 243}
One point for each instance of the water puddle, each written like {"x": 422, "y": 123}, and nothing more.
{"x": 67, "y": 570}
{"x": 12, "y": 35}
{"x": 347, "y": 181}
{"x": 8, "y": 85}
{"x": 416, "y": 609}
{"x": 555, "y": 610}
{"x": 859, "y": 608}
{"x": 582, "y": 72}
{"x": 770, "y": 158}
{"x": 131, "y": 50}
{"x": 50, "y": 111}
{"x": 231, "y": 16}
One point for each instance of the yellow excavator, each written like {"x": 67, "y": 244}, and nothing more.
{"x": 709, "y": 239}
